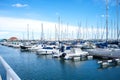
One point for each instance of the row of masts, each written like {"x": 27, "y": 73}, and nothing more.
{"x": 85, "y": 33}
{"x": 117, "y": 21}
{"x": 78, "y": 33}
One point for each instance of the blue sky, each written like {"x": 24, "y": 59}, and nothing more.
{"x": 70, "y": 11}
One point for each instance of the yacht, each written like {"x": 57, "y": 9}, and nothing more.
{"x": 75, "y": 52}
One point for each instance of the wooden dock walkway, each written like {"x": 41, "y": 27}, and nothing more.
{"x": 105, "y": 53}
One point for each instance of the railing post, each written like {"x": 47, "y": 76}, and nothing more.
{"x": 8, "y": 76}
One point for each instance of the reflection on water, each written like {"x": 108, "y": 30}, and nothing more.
{"x": 30, "y": 66}
{"x": 45, "y": 56}
{"x": 71, "y": 63}
{"x": 108, "y": 67}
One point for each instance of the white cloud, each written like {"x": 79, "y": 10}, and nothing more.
{"x": 18, "y": 5}
{"x": 18, "y": 27}
{"x": 1, "y": 33}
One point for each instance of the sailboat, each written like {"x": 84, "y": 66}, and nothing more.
{"x": 25, "y": 45}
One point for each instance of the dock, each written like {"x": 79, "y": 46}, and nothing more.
{"x": 105, "y": 53}
{"x": 107, "y": 57}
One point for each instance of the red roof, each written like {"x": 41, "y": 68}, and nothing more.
{"x": 13, "y": 38}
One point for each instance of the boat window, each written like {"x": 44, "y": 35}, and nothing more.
{"x": 47, "y": 48}
{"x": 67, "y": 48}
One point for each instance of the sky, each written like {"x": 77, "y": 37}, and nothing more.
{"x": 16, "y": 14}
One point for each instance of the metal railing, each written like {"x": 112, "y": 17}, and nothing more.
{"x": 10, "y": 74}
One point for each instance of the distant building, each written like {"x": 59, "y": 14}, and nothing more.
{"x": 13, "y": 38}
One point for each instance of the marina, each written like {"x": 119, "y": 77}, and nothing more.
{"x": 29, "y": 65}
{"x": 60, "y": 40}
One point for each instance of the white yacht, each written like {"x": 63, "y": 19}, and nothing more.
{"x": 25, "y": 46}
{"x": 58, "y": 52}
{"x": 75, "y": 52}
{"x": 16, "y": 45}
{"x": 35, "y": 47}
{"x": 47, "y": 50}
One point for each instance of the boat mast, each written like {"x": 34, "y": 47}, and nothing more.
{"x": 111, "y": 30}
{"x": 23, "y": 36}
{"x": 59, "y": 28}
{"x": 106, "y": 21}
{"x": 86, "y": 30}
{"x": 97, "y": 31}
{"x": 117, "y": 13}
{"x": 61, "y": 31}
{"x": 67, "y": 32}
{"x": 32, "y": 35}
{"x": 92, "y": 32}
{"x": 28, "y": 32}
{"x": 55, "y": 33}
{"x": 114, "y": 25}
{"x": 101, "y": 30}
{"x": 42, "y": 32}
{"x": 78, "y": 31}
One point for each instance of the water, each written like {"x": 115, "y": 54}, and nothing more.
{"x": 30, "y": 66}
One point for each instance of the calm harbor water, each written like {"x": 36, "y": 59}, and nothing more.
{"x": 30, "y": 66}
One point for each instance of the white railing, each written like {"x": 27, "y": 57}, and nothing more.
{"x": 10, "y": 74}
